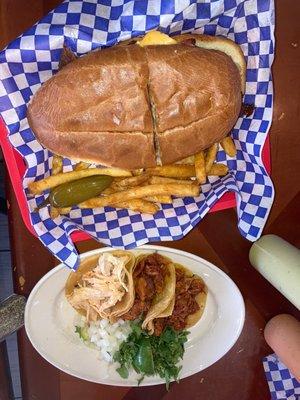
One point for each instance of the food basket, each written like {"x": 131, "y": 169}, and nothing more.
{"x": 83, "y": 26}
{"x": 16, "y": 169}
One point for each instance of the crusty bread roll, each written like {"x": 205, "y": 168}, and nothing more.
{"x": 222, "y": 44}
{"x": 133, "y": 107}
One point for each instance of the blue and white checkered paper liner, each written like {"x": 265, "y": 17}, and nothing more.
{"x": 282, "y": 384}
{"x": 86, "y": 25}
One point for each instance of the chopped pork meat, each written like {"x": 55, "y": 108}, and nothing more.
{"x": 185, "y": 304}
{"x": 149, "y": 276}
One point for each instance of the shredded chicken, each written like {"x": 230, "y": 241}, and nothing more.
{"x": 102, "y": 287}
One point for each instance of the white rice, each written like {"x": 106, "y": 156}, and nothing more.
{"x": 105, "y": 336}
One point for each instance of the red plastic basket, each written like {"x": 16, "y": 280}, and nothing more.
{"x": 16, "y": 169}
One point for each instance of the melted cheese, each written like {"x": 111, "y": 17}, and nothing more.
{"x": 155, "y": 38}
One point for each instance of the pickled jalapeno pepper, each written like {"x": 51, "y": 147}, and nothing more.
{"x": 72, "y": 193}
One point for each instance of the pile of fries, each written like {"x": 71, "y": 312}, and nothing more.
{"x": 141, "y": 190}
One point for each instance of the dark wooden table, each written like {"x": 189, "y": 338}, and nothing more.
{"x": 239, "y": 375}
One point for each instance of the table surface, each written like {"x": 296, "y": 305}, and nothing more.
{"x": 239, "y": 374}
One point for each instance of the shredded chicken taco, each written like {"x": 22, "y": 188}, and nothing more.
{"x": 102, "y": 287}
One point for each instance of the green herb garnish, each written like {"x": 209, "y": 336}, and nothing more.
{"x": 82, "y": 332}
{"x": 151, "y": 355}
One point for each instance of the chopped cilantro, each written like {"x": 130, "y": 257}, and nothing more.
{"x": 123, "y": 372}
{"x": 82, "y": 332}
{"x": 151, "y": 355}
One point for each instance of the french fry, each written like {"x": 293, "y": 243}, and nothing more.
{"x": 229, "y": 146}
{"x": 211, "y": 156}
{"x": 138, "y": 205}
{"x": 161, "y": 179}
{"x": 200, "y": 167}
{"x": 115, "y": 187}
{"x": 136, "y": 172}
{"x": 109, "y": 190}
{"x": 64, "y": 210}
{"x": 187, "y": 160}
{"x": 163, "y": 199}
{"x": 119, "y": 178}
{"x": 175, "y": 189}
{"x": 52, "y": 181}
{"x": 57, "y": 165}
{"x": 218, "y": 170}
{"x": 133, "y": 181}
{"x": 81, "y": 166}
{"x": 54, "y": 212}
{"x": 173, "y": 171}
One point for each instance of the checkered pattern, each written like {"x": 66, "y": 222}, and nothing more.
{"x": 85, "y": 25}
{"x": 282, "y": 383}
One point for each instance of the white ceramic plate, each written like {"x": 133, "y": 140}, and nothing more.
{"x": 49, "y": 323}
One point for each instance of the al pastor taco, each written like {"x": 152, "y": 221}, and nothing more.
{"x": 189, "y": 302}
{"x": 154, "y": 284}
{"x": 166, "y": 294}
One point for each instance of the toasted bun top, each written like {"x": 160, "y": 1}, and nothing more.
{"x": 126, "y": 106}
{"x": 223, "y": 45}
